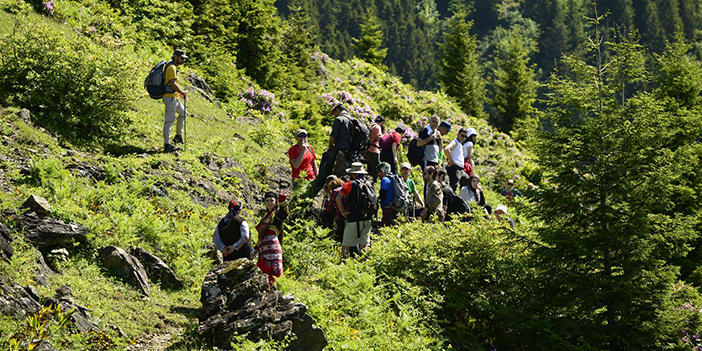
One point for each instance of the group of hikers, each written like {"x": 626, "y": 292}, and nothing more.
{"x": 357, "y": 156}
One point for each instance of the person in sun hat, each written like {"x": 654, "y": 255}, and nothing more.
{"x": 502, "y": 215}
{"x": 349, "y": 200}
{"x": 302, "y": 157}
{"x": 232, "y": 236}
{"x": 171, "y": 104}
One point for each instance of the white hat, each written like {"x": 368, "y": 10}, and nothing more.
{"x": 502, "y": 208}
{"x": 471, "y": 131}
{"x": 356, "y": 168}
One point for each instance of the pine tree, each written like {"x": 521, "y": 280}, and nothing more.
{"x": 608, "y": 231}
{"x": 460, "y": 74}
{"x": 298, "y": 47}
{"x": 368, "y": 46}
{"x": 515, "y": 88}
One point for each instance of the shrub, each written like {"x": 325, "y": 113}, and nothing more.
{"x": 73, "y": 86}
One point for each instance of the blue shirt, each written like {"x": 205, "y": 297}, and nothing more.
{"x": 386, "y": 184}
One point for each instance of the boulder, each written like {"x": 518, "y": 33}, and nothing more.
{"x": 237, "y": 300}
{"x": 17, "y": 301}
{"x": 38, "y": 204}
{"x": 6, "y": 250}
{"x": 25, "y": 116}
{"x": 126, "y": 267}
{"x": 44, "y": 271}
{"x": 48, "y": 233}
{"x": 80, "y": 317}
{"x": 157, "y": 270}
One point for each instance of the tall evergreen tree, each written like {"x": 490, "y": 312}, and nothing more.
{"x": 460, "y": 74}
{"x": 669, "y": 13}
{"x": 298, "y": 47}
{"x": 515, "y": 88}
{"x": 608, "y": 232}
{"x": 648, "y": 23}
{"x": 368, "y": 46}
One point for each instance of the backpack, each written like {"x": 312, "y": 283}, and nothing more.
{"x": 401, "y": 196}
{"x": 360, "y": 135}
{"x": 385, "y": 141}
{"x": 154, "y": 82}
{"x": 366, "y": 201}
{"x": 415, "y": 154}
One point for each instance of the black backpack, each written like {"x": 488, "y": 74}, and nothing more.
{"x": 155, "y": 81}
{"x": 366, "y": 200}
{"x": 415, "y": 154}
{"x": 360, "y": 135}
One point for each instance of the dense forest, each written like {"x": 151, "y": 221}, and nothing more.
{"x": 413, "y": 29}
{"x": 593, "y": 109}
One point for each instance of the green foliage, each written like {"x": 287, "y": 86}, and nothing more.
{"x": 73, "y": 86}
{"x": 607, "y": 220}
{"x": 460, "y": 74}
{"x": 368, "y": 45}
{"x": 515, "y": 89}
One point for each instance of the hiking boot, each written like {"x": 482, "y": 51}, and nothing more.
{"x": 170, "y": 148}
{"x": 178, "y": 139}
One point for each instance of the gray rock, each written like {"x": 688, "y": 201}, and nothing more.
{"x": 44, "y": 271}
{"x": 48, "y": 233}
{"x": 44, "y": 345}
{"x": 80, "y": 316}
{"x": 16, "y": 300}
{"x": 57, "y": 256}
{"x": 126, "y": 267}
{"x": 236, "y": 299}
{"x": 25, "y": 116}
{"x": 157, "y": 270}
{"x": 37, "y": 204}
{"x": 6, "y": 250}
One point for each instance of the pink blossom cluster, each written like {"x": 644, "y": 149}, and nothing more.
{"x": 261, "y": 100}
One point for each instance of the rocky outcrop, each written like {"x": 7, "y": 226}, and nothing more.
{"x": 236, "y": 299}
{"x": 37, "y": 204}
{"x": 6, "y": 250}
{"x": 80, "y": 317}
{"x": 44, "y": 271}
{"x": 16, "y": 300}
{"x": 126, "y": 267}
{"x": 157, "y": 270}
{"x": 48, "y": 233}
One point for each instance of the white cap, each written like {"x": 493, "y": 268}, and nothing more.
{"x": 502, "y": 208}
{"x": 471, "y": 131}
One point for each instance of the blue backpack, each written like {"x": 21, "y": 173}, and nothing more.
{"x": 154, "y": 82}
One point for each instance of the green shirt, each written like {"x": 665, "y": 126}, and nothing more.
{"x": 411, "y": 187}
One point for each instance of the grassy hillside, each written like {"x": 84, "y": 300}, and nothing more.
{"x": 128, "y": 193}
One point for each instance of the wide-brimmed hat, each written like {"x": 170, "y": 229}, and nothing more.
{"x": 406, "y": 165}
{"x": 356, "y": 168}
{"x": 502, "y": 208}
{"x": 180, "y": 52}
{"x": 335, "y": 106}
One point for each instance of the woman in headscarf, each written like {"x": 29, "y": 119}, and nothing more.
{"x": 270, "y": 236}
{"x": 231, "y": 236}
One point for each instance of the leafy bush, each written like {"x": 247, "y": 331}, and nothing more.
{"x": 73, "y": 86}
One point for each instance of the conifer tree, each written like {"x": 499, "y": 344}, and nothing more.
{"x": 368, "y": 46}
{"x": 460, "y": 74}
{"x": 298, "y": 47}
{"x": 608, "y": 231}
{"x": 515, "y": 88}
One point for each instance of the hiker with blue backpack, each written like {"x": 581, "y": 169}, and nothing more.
{"x": 394, "y": 196}
{"x": 359, "y": 205}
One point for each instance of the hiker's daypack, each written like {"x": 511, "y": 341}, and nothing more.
{"x": 360, "y": 135}
{"x": 415, "y": 154}
{"x": 401, "y": 197}
{"x": 155, "y": 81}
{"x": 366, "y": 201}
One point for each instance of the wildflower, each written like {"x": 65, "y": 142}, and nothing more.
{"x": 49, "y": 5}
{"x": 92, "y": 29}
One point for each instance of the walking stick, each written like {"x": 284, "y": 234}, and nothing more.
{"x": 185, "y": 124}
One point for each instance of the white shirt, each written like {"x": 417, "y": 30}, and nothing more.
{"x": 457, "y": 153}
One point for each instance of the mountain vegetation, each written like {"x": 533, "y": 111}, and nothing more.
{"x": 592, "y": 108}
